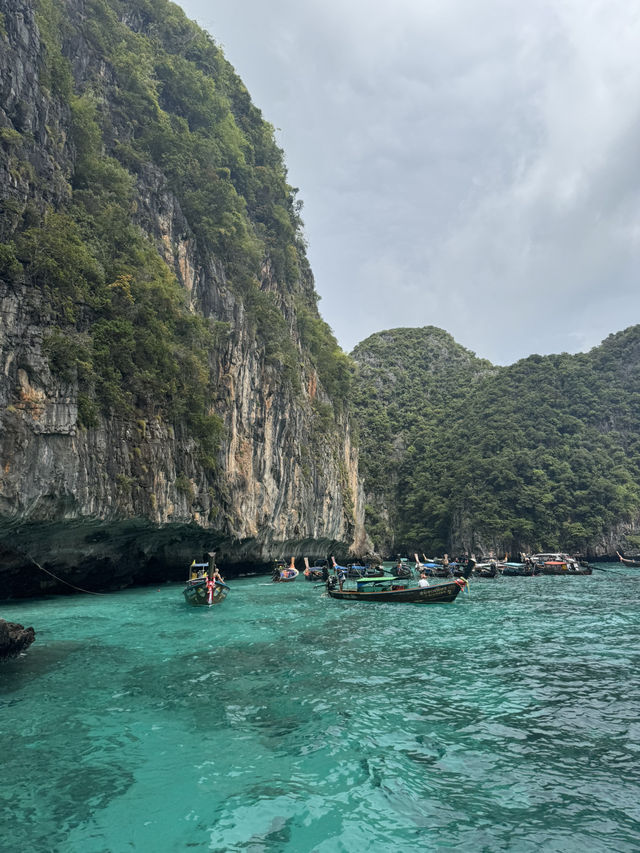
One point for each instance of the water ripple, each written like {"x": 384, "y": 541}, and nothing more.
{"x": 288, "y": 722}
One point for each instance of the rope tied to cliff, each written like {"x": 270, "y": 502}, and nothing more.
{"x": 62, "y": 580}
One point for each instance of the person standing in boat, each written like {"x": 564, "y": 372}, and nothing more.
{"x": 424, "y": 581}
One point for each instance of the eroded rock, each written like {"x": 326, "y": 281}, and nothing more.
{"x": 14, "y": 639}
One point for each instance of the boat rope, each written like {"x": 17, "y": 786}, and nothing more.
{"x": 61, "y": 580}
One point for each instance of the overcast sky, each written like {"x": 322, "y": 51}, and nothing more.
{"x": 468, "y": 164}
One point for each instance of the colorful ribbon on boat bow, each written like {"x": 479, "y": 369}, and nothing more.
{"x": 462, "y": 583}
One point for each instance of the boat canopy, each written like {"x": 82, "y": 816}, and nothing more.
{"x": 376, "y": 580}
{"x": 367, "y": 584}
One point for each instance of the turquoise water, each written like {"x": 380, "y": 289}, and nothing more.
{"x": 285, "y": 721}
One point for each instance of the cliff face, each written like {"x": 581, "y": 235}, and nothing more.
{"x": 128, "y": 490}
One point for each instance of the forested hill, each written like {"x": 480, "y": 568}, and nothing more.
{"x": 406, "y": 378}
{"x": 162, "y": 359}
{"x": 544, "y": 453}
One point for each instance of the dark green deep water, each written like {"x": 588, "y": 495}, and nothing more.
{"x": 285, "y": 721}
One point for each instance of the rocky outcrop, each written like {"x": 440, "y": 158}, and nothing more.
{"x": 128, "y": 499}
{"x": 14, "y": 639}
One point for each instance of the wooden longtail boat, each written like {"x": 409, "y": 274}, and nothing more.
{"x": 389, "y": 589}
{"x": 439, "y": 568}
{"x": 285, "y": 575}
{"x": 557, "y": 564}
{"x": 314, "y": 573}
{"x": 520, "y": 570}
{"x": 356, "y": 570}
{"x": 627, "y": 562}
{"x": 490, "y": 569}
{"x": 205, "y": 586}
{"x": 402, "y": 570}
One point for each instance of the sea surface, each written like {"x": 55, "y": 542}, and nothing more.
{"x": 284, "y": 721}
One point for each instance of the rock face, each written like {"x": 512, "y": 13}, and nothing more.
{"x": 128, "y": 498}
{"x": 14, "y": 639}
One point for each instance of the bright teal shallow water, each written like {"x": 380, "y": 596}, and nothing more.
{"x": 286, "y": 721}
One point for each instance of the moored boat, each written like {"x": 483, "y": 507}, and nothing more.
{"x": 489, "y": 569}
{"x": 519, "y": 570}
{"x": 436, "y": 568}
{"x": 359, "y": 570}
{"x": 442, "y": 572}
{"x": 557, "y": 564}
{"x": 205, "y": 586}
{"x": 402, "y": 570}
{"x": 391, "y": 589}
{"x": 627, "y": 562}
{"x": 399, "y": 590}
{"x": 355, "y": 571}
{"x": 314, "y": 573}
{"x": 284, "y": 575}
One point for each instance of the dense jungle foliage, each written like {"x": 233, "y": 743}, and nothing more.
{"x": 544, "y": 453}
{"x": 148, "y": 93}
{"x": 406, "y": 378}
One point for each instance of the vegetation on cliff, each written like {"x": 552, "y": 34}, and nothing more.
{"x": 146, "y": 91}
{"x": 405, "y": 378}
{"x": 543, "y": 453}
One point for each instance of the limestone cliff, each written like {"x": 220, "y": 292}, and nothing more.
{"x": 99, "y": 476}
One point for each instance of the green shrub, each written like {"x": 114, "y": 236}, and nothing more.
{"x": 10, "y": 266}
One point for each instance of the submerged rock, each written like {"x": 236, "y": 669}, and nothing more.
{"x": 14, "y": 638}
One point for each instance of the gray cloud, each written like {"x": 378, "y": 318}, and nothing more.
{"x": 471, "y": 165}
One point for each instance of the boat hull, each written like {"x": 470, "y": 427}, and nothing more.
{"x": 440, "y": 593}
{"x": 520, "y": 571}
{"x": 285, "y": 576}
{"x": 559, "y": 570}
{"x": 364, "y": 572}
{"x": 197, "y": 593}
{"x": 402, "y": 572}
{"x": 635, "y": 564}
{"x": 314, "y": 574}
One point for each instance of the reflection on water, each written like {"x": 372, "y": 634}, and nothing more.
{"x": 286, "y": 721}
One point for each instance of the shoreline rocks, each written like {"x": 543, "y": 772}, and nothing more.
{"x": 14, "y": 639}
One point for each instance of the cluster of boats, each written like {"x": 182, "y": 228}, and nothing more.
{"x": 535, "y": 564}
{"x": 403, "y": 582}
